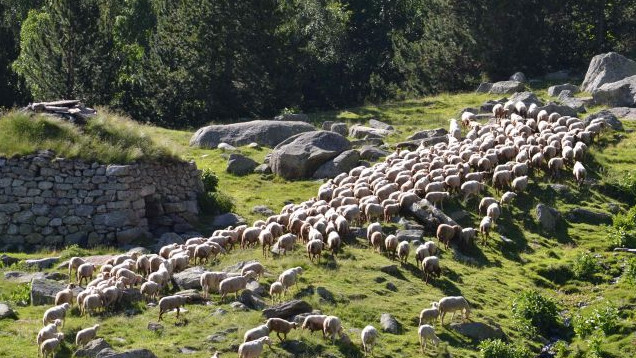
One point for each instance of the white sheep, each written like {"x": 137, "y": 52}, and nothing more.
{"x": 314, "y": 249}
{"x": 391, "y": 244}
{"x": 507, "y": 198}
{"x": 420, "y": 254}
{"x": 435, "y": 197}
{"x": 403, "y": 251}
{"x": 468, "y": 235}
{"x": 276, "y": 289}
{"x": 85, "y": 271}
{"x": 86, "y": 335}
{"x": 169, "y": 303}
{"x": 452, "y": 304}
{"x": 234, "y": 284}
{"x": 493, "y": 212}
{"x": 520, "y": 184}
{"x": 289, "y": 277}
{"x": 369, "y": 336}
{"x": 279, "y": 326}
{"x": 48, "y": 331}
{"x": 334, "y": 242}
{"x": 484, "y": 227}
{"x": 65, "y": 296}
{"x": 91, "y": 303}
{"x": 257, "y": 267}
{"x": 431, "y": 247}
{"x": 471, "y": 188}
{"x": 256, "y": 333}
{"x": 50, "y": 345}
{"x": 286, "y": 243}
{"x": 253, "y": 349}
{"x": 73, "y": 264}
{"x": 150, "y": 290}
{"x": 331, "y": 327}
{"x": 314, "y": 322}
{"x": 55, "y": 313}
{"x": 429, "y": 315}
{"x": 427, "y": 333}
{"x": 579, "y": 172}
{"x": 430, "y": 267}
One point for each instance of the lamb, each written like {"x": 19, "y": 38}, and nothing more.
{"x": 484, "y": 227}
{"x": 430, "y": 267}
{"x": 429, "y": 315}
{"x": 150, "y": 290}
{"x": 369, "y": 335}
{"x": 276, "y": 289}
{"x": 314, "y": 322}
{"x": 391, "y": 244}
{"x": 84, "y": 271}
{"x": 331, "y": 327}
{"x": 403, "y": 251}
{"x": 49, "y": 345}
{"x": 579, "y": 173}
{"x": 48, "y": 331}
{"x": 65, "y": 296}
{"x": 420, "y": 253}
{"x": 234, "y": 284}
{"x": 86, "y": 335}
{"x": 314, "y": 249}
{"x": 507, "y": 198}
{"x": 286, "y": 243}
{"x": 73, "y": 264}
{"x": 279, "y": 326}
{"x": 427, "y": 332}
{"x": 256, "y": 333}
{"x": 452, "y": 304}
{"x": 56, "y": 313}
{"x": 169, "y": 303}
{"x": 437, "y": 197}
{"x": 253, "y": 349}
{"x": 446, "y": 233}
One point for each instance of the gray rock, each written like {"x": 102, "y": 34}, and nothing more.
{"x": 170, "y": 238}
{"x": 135, "y": 353}
{"x": 390, "y": 324}
{"x": 560, "y": 188}
{"x": 427, "y": 134}
{"x": 188, "y": 278}
{"x": 251, "y": 300}
{"x": 459, "y": 215}
{"x": 288, "y": 309}
{"x": 560, "y": 109}
{"x": 217, "y": 337}
{"x": 56, "y": 276}
{"x": 477, "y": 330}
{"x": 138, "y": 250}
{"x": 292, "y": 117}
{"x": 555, "y": 91}
{"x": 391, "y": 287}
{"x": 557, "y": 76}
{"x": 239, "y": 306}
{"x": 7, "y": 260}
{"x": 374, "y": 123}
{"x": 519, "y": 77}
{"x": 43, "y": 291}
{"x": 372, "y": 153}
{"x": 506, "y": 87}
{"x": 300, "y": 156}
{"x": 226, "y": 147}
{"x": 376, "y": 142}
{"x": 613, "y": 208}
{"x": 187, "y": 350}
{"x": 263, "y": 169}
{"x": 624, "y": 113}
{"x": 263, "y": 210}
{"x": 344, "y": 162}
{"x": 358, "y": 131}
{"x": 565, "y": 94}
{"x": 155, "y": 326}
{"x": 577, "y": 104}
{"x": 22, "y": 277}
{"x": 92, "y": 348}
{"x": 326, "y": 125}
{"x": 6, "y": 312}
{"x": 325, "y": 294}
{"x": 409, "y": 235}
{"x": 607, "y": 68}
{"x": 547, "y": 216}
{"x": 484, "y": 87}
{"x": 219, "y": 312}
{"x": 254, "y": 145}
{"x": 256, "y": 288}
{"x": 264, "y": 132}
{"x": 194, "y": 296}
{"x": 297, "y": 348}
{"x": 240, "y": 165}
{"x": 618, "y": 94}
{"x": 589, "y": 216}
{"x": 237, "y": 267}
{"x": 340, "y": 128}
{"x": 227, "y": 219}
{"x": 427, "y": 142}
{"x": 42, "y": 264}
{"x": 608, "y": 116}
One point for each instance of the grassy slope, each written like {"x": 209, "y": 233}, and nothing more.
{"x": 489, "y": 283}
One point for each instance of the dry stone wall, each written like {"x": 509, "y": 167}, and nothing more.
{"x": 48, "y": 201}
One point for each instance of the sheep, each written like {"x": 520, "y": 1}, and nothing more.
{"x": 468, "y": 236}
{"x": 555, "y": 165}
{"x": 374, "y": 212}
{"x": 452, "y": 304}
{"x": 84, "y": 271}
{"x": 65, "y": 296}
{"x": 446, "y": 233}
{"x": 257, "y": 267}
{"x": 150, "y": 290}
{"x": 390, "y": 211}
{"x": 391, "y": 244}
{"x": 420, "y": 253}
{"x": 73, "y": 264}
{"x": 430, "y": 267}
{"x": 369, "y": 335}
{"x": 431, "y": 247}
{"x": 169, "y": 303}
{"x": 429, "y": 315}
{"x": 256, "y": 333}
{"x": 403, "y": 251}
{"x": 234, "y": 284}
{"x": 471, "y": 187}
{"x": 484, "y": 227}
{"x": 331, "y": 327}
{"x": 56, "y": 313}
{"x": 501, "y": 179}
{"x": 314, "y": 323}
{"x": 279, "y": 326}
{"x": 334, "y": 242}
{"x": 520, "y": 184}
{"x": 254, "y": 348}
{"x": 427, "y": 332}
{"x": 521, "y": 108}
{"x": 286, "y": 243}
{"x": 290, "y": 277}
{"x": 377, "y": 242}
{"x": 48, "y": 331}
{"x": 314, "y": 249}
{"x": 579, "y": 173}
{"x": 507, "y": 198}
{"x": 276, "y": 289}
{"x": 86, "y": 335}
{"x": 91, "y": 303}
{"x": 437, "y": 197}
{"x": 143, "y": 265}
{"x": 250, "y": 236}
{"x": 493, "y": 212}
{"x": 373, "y": 227}
{"x": 49, "y": 345}
{"x": 498, "y": 111}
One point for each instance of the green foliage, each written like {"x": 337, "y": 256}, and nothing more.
{"x": 629, "y": 275}
{"x": 533, "y": 311}
{"x": 73, "y": 251}
{"x": 20, "y": 295}
{"x": 603, "y": 318}
{"x": 498, "y": 349}
{"x": 623, "y": 230}
{"x": 585, "y": 266}
{"x": 210, "y": 180}
{"x": 214, "y": 203}
{"x": 627, "y": 183}
{"x": 594, "y": 344}
{"x": 560, "y": 349}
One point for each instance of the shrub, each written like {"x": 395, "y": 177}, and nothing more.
{"x": 594, "y": 346}
{"x": 560, "y": 349}
{"x": 629, "y": 275}
{"x": 498, "y": 349}
{"x": 619, "y": 237}
{"x": 603, "y": 319}
{"x": 74, "y": 251}
{"x": 20, "y": 296}
{"x": 585, "y": 266}
{"x": 214, "y": 203}
{"x": 532, "y": 311}
{"x": 210, "y": 180}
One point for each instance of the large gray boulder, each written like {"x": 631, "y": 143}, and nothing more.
{"x": 607, "y": 68}
{"x": 369, "y": 152}
{"x": 7, "y": 312}
{"x": 506, "y": 87}
{"x": 288, "y": 309}
{"x": 519, "y": 77}
{"x": 227, "y": 219}
{"x": 561, "y": 109}
{"x": 619, "y": 94}
{"x": 624, "y": 113}
{"x": 577, "y": 104}
{"x": 390, "y": 324}
{"x": 589, "y": 216}
{"x": 43, "y": 291}
{"x": 135, "y": 353}
{"x": 358, "y": 131}
{"x": 344, "y": 162}
{"x": 374, "y": 123}
{"x": 484, "y": 87}
{"x": 298, "y": 157}
{"x": 189, "y": 278}
{"x": 429, "y": 133}
{"x": 92, "y": 348}
{"x": 340, "y": 128}
{"x": 608, "y": 116}
{"x": 264, "y": 132}
{"x": 526, "y": 97}
{"x": 554, "y": 91}
{"x": 547, "y": 217}
{"x": 240, "y": 165}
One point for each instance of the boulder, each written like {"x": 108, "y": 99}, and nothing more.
{"x": 226, "y": 147}
{"x": 6, "y": 312}
{"x": 227, "y": 219}
{"x": 526, "y": 97}
{"x": 390, "y": 324}
{"x": 358, "y": 131}
{"x": 43, "y": 291}
{"x": 344, "y": 162}
{"x": 619, "y": 94}
{"x": 92, "y": 348}
{"x": 554, "y": 91}
{"x": 607, "y": 68}
{"x": 372, "y": 153}
{"x": 427, "y": 134}
{"x": 263, "y": 169}
{"x": 287, "y": 310}
{"x": 565, "y": 94}
{"x": 374, "y": 123}
{"x": 506, "y": 87}
{"x": 589, "y": 216}
{"x": 300, "y": 156}
{"x": 292, "y": 117}
{"x": 8, "y": 260}
{"x": 624, "y": 113}
{"x": 256, "y": 288}
{"x": 340, "y": 128}
{"x": 519, "y": 77}
{"x": 42, "y": 264}
{"x": 429, "y": 216}
{"x": 188, "y": 278}
{"x": 22, "y": 277}
{"x": 577, "y": 104}
{"x": 325, "y": 294}
{"x": 477, "y": 330}
{"x": 240, "y": 165}
{"x": 484, "y": 87}
{"x": 551, "y": 107}
{"x": 487, "y": 106}
{"x": 251, "y": 300}
{"x": 262, "y": 210}
{"x": 409, "y": 235}
{"x": 326, "y": 125}
{"x": 135, "y": 353}
{"x": 194, "y": 296}
{"x": 237, "y": 267}
{"x": 264, "y": 132}
{"x": 547, "y": 216}
{"x": 608, "y": 116}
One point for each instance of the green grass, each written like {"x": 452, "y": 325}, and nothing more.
{"x": 490, "y": 277}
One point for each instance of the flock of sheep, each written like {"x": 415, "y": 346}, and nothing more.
{"x": 502, "y": 153}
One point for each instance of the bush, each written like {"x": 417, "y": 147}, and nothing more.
{"x": 20, "y": 296}
{"x": 603, "y": 319}
{"x": 210, "y": 180}
{"x": 619, "y": 237}
{"x": 560, "y": 349}
{"x": 215, "y": 203}
{"x": 585, "y": 266}
{"x": 629, "y": 275}
{"x": 532, "y": 311}
{"x": 498, "y": 349}
{"x": 594, "y": 346}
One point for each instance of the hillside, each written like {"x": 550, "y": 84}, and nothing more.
{"x": 573, "y": 266}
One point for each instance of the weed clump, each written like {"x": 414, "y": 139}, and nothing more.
{"x": 498, "y": 349}
{"x": 604, "y": 319}
{"x": 585, "y": 266}
{"x": 534, "y": 312}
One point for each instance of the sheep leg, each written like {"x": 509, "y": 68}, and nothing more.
{"x": 177, "y": 312}
{"x": 441, "y": 316}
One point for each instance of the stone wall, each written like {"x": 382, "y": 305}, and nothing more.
{"x": 48, "y": 201}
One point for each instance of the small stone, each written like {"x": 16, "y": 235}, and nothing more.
{"x": 226, "y": 147}
{"x": 6, "y": 312}
{"x": 391, "y": 287}
{"x": 390, "y": 324}
{"x": 155, "y": 326}
{"x": 238, "y": 306}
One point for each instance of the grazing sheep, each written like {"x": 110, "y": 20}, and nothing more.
{"x": 373, "y": 227}
{"x": 507, "y": 198}
{"x": 498, "y": 111}
{"x": 331, "y": 327}
{"x": 484, "y": 227}
{"x": 420, "y": 254}
{"x": 86, "y": 335}
{"x": 555, "y": 165}
{"x": 427, "y": 332}
{"x": 377, "y": 241}
{"x": 471, "y": 188}
{"x": 452, "y": 304}
{"x": 579, "y": 173}
{"x": 314, "y": 249}
{"x": 286, "y": 243}
{"x": 403, "y": 250}
{"x": 431, "y": 247}
{"x": 257, "y": 267}
{"x": 256, "y": 333}
{"x": 429, "y": 315}
{"x": 266, "y": 239}
{"x": 391, "y": 244}
{"x": 56, "y": 313}
{"x": 48, "y": 331}
{"x": 276, "y": 289}
{"x": 65, "y": 296}
{"x": 169, "y": 303}
{"x": 501, "y": 179}
{"x": 430, "y": 267}
{"x": 50, "y": 345}
{"x": 290, "y": 277}
{"x": 520, "y": 184}
{"x": 468, "y": 236}
{"x": 334, "y": 242}
{"x": 253, "y": 349}
{"x": 446, "y": 233}
{"x": 435, "y": 197}
{"x": 485, "y": 203}
{"x": 143, "y": 265}
{"x": 73, "y": 264}
{"x": 85, "y": 271}
{"x": 390, "y": 211}
{"x": 250, "y": 236}
{"x": 369, "y": 336}
{"x": 493, "y": 212}
{"x": 150, "y": 290}
{"x": 314, "y": 323}
{"x": 279, "y": 326}
{"x": 91, "y": 303}
{"x": 234, "y": 284}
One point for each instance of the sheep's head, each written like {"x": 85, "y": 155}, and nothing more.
{"x": 294, "y": 325}
{"x": 267, "y": 341}
{"x": 66, "y": 306}
{"x": 57, "y": 322}
{"x": 59, "y": 336}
